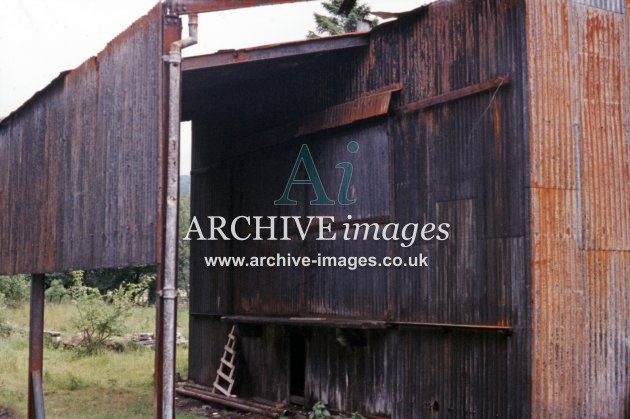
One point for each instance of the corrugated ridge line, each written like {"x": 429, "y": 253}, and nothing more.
{"x": 555, "y": 268}
{"x": 555, "y": 227}
{"x": 552, "y": 147}
{"x": 608, "y": 311}
{"x": 604, "y": 198}
{"x": 535, "y": 25}
{"x": 616, "y": 6}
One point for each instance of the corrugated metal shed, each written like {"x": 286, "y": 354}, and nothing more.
{"x": 459, "y": 161}
{"x": 507, "y": 119}
{"x": 80, "y": 173}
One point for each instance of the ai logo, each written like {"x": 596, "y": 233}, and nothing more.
{"x": 306, "y": 159}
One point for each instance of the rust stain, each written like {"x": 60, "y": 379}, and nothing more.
{"x": 498, "y": 153}
{"x": 579, "y": 208}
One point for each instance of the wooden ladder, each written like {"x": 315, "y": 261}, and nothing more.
{"x": 225, "y": 373}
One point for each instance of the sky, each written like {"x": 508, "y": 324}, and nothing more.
{"x": 41, "y": 38}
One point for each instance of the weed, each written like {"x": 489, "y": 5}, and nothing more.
{"x": 99, "y": 319}
{"x": 74, "y": 383}
{"x": 319, "y": 411}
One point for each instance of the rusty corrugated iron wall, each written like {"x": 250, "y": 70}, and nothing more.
{"x": 534, "y": 175}
{"x": 79, "y": 162}
{"x": 463, "y": 162}
{"x": 580, "y": 191}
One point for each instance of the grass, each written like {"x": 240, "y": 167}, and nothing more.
{"x": 107, "y": 385}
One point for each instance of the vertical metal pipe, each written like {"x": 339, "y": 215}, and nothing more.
{"x": 171, "y": 33}
{"x": 38, "y": 394}
{"x": 36, "y": 348}
{"x": 169, "y": 292}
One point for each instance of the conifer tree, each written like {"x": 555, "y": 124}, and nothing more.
{"x": 337, "y": 22}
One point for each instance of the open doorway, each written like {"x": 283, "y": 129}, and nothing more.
{"x": 297, "y": 367}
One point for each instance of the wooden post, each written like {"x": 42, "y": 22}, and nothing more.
{"x": 36, "y": 349}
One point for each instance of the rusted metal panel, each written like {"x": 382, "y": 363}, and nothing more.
{"x": 366, "y": 106}
{"x": 80, "y": 171}
{"x": 534, "y": 177}
{"x": 580, "y": 199}
{"x": 207, "y": 337}
{"x": 557, "y": 271}
{"x": 605, "y": 314}
{"x": 260, "y": 179}
{"x": 464, "y": 162}
{"x": 451, "y": 374}
{"x": 553, "y": 148}
{"x": 271, "y": 366}
{"x": 350, "y": 377}
{"x": 369, "y": 105}
{"x": 601, "y": 42}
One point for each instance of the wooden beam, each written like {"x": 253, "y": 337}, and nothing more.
{"x": 276, "y": 51}
{"x": 309, "y": 321}
{"x": 458, "y": 326}
{"x": 184, "y": 7}
{"x": 245, "y": 405}
{"x": 456, "y": 94}
{"x": 361, "y": 324}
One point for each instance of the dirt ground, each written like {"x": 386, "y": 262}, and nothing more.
{"x": 208, "y": 410}
{"x": 193, "y": 406}
{"x": 6, "y": 413}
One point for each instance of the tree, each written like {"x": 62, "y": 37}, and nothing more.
{"x": 108, "y": 279}
{"x": 337, "y": 22}
{"x": 56, "y": 292}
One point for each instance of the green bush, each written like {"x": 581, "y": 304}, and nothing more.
{"x": 138, "y": 293}
{"x": 99, "y": 317}
{"x": 5, "y": 329}
{"x": 56, "y": 292}
{"x": 15, "y": 289}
